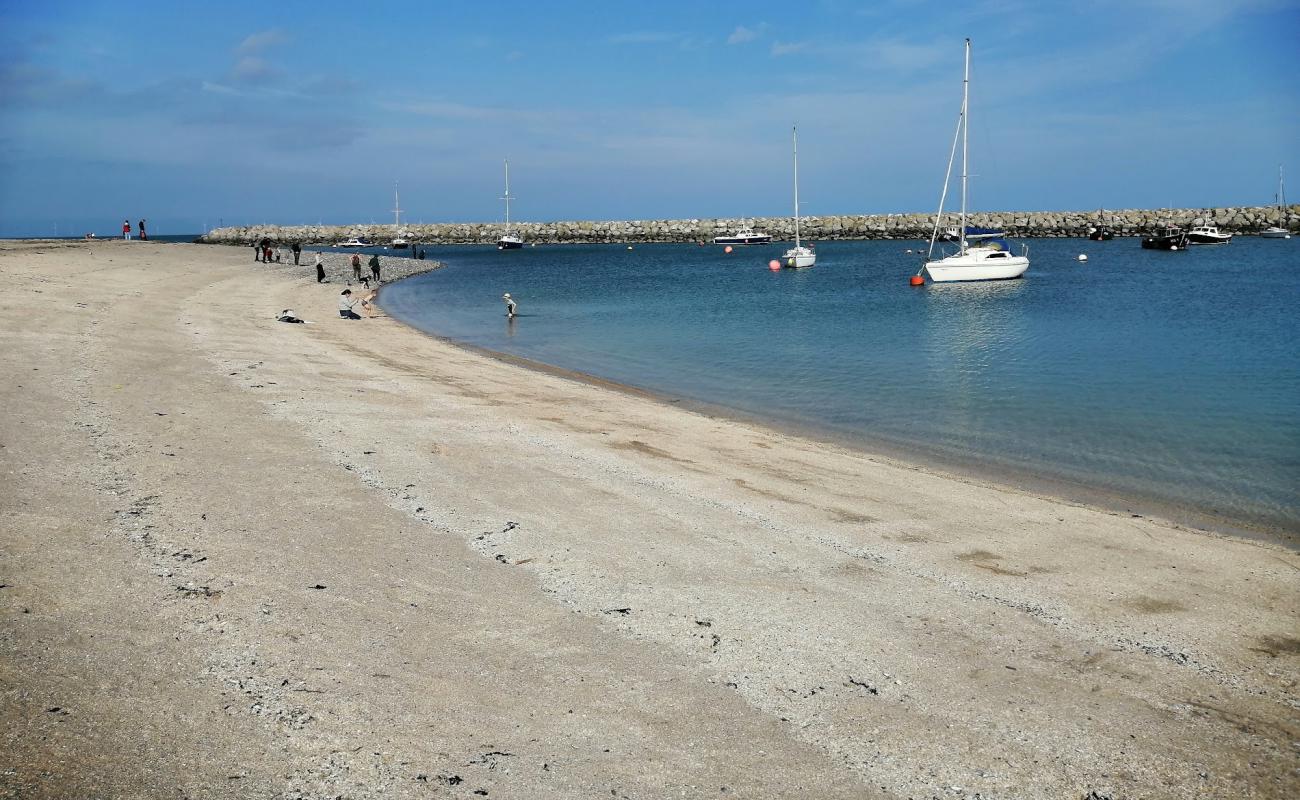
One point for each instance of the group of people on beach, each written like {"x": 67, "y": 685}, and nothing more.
{"x": 126, "y": 231}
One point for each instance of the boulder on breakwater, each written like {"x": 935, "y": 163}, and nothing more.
{"x": 1127, "y": 222}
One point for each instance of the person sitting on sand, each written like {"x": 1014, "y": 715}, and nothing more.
{"x": 345, "y": 305}
{"x": 510, "y": 304}
{"x": 288, "y": 315}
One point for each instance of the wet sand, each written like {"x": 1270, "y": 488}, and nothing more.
{"x": 249, "y": 559}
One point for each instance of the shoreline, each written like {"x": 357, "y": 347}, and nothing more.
{"x": 349, "y": 558}
{"x": 971, "y": 468}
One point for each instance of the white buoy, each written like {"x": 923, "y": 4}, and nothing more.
{"x": 1083, "y": 257}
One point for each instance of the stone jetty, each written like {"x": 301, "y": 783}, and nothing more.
{"x": 1127, "y": 222}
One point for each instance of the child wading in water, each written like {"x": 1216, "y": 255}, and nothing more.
{"x": 510, "y": 304}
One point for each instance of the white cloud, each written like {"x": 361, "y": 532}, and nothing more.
{"x": 788, "y": 48}
{"x": 742, "y": 34}
{"x": 260, "y": 41}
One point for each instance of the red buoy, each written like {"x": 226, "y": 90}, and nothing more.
{"x": 774, "y": 265}
{"x": 917, "y": 280}
{"x": 727, "y": 249}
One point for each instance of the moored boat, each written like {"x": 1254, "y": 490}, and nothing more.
{"x": 1207, "y": 234}
{"x": 745, "y": 234}
{"x": 508, "y": 240}
{"x": 1166, "y": 238}
{"x": 353, "y": 241}
{"x": 988, "y": 258}
{"x": 399, "y": 240}
{"x": 1100, "y": 232}
{"x": 799, "y": 256}
{"x": 1278, "y": 231}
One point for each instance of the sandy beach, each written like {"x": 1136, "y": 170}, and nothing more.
{"x": 242, "y": 558}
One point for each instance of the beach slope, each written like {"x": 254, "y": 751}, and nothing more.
{"x": 243, "y": 558}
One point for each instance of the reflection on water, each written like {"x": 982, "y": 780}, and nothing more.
{"x": 1137, "y": 371}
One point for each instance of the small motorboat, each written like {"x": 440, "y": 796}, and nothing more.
{"x": 1100, "y": 234}
{"x": 353, "y": 241}
{"x": 1167, "y": 238}
{"x": 744, "y": 235}
{"x": 509, "y": 242}
{"x": 1207, "y": 234}
{"x": 400, "y": 243}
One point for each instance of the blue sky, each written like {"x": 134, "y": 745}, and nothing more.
{"x": 293, "y": 112}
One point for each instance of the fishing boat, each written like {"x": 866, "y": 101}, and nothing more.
{"x": 399, "y": 241}
{"x": 1100, "y": 232}
{"x": 508, "y": 240}
{"x": 745, "y": 234}
{"x": 797, "y": 257}
{"x": 1166, "y": 238}
{"x": 985, "y": 259}
{"x": 1207, "y": 234}
{"x": 353, "y": 241}
{"x": 1278, "y": 231}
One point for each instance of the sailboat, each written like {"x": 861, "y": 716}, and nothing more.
{"x": 1276, "y": 231}
{"x": 508, "y": 241}
{"x": 399, "y": 241}
{"x": 797, "y": 257}
{"x": 988, "y": 259}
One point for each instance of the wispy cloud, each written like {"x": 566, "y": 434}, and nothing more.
{"x": 260, "y": 42}
{"x": 254, "y": 70}
{"x": 788, "y": 48}
{"x": 646, "y": 37}
{"x": 744, "y": 34}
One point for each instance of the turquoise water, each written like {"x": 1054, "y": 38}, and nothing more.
{"x": 1172, "y": 377}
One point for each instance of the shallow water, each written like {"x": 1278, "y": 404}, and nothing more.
{"x": 1168, "y": 376}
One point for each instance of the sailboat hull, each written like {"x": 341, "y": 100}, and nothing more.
{"x": 509, "y": 243}
{"x": 976, "y": 267}
{"x": 1275, "y": 233}
{"x": 799, "y": 258}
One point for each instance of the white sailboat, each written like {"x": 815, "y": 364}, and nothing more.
{"x": 508, "y": 241}
{"x": 987, "y": 260}
{"x": 797, "y": 257}
{"x": 399, "y": 241}
{"x": 1276, "y": 231}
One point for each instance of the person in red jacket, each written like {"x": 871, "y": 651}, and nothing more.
{"x": 126, "y": 229}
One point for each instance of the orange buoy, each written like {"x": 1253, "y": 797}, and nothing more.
{"x": 917, "y": 280}
{"x": 727, "y": 249}
{"x": 774, "y": 265}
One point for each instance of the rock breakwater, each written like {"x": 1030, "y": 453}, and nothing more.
{"x": 1128, "y": 222}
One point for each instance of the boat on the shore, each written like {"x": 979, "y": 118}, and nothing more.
{"x": 799, "y": 256}
{"x": 989, "y": 257}
{"x": 1207, "y": 234}
{"x": 745, "y": 234}
{"x": 508, "y": 240}
{"x": 1169, "y": 237}
{"x": 1278, "y": 231}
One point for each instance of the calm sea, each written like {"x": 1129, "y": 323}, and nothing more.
{"x": 1165, "y": 378}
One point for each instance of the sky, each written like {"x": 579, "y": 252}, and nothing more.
{"x": 195, "y": 115}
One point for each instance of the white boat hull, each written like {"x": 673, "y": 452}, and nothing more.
{"x": 1275, "y": 233}
{"x": 974, "y": 266}
{"x": 798, "y": 258}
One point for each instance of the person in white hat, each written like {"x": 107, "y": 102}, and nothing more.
{"x": 510, "y": 304}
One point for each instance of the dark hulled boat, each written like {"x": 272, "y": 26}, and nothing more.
{"x": 1167, "y": 238}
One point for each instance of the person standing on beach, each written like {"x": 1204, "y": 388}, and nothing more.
{"x": 257, "y": 251}
{"x": 345, "y": 305}
{"x": 144, "y": 237}
{"x": 374, "y": 268}
{"x": 510, "y": 305}
{"x": 126, "y": 229}
{"x": 297, "y": 251}
{"x": 320, "y": 269}
{"x": 356, "y": 267}
{"x": 266, "y": 250}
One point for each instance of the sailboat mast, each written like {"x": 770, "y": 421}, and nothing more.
{"x": 965, "y": 128}
{"x": 507, "y": 196}
{"x": 795, "y": 139}
{"x": 1281, "y": 192}
{"x": 397, "y": 207}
